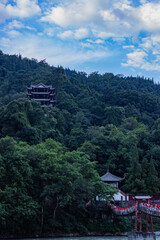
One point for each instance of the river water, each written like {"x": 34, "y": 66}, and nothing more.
{"x": 84, "y": 238}
{"x": 79, "y": 238}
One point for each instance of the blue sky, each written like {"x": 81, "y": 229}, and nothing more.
{"x": 118, "y": 36}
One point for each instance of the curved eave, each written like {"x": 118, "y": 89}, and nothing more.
{"x": 108, "y": 177}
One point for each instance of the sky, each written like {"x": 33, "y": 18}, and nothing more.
{"x": 118, "y": 36}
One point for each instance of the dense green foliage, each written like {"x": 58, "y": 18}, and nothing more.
{"x": 51, "y": 158}
{"x": 41, "y": 183}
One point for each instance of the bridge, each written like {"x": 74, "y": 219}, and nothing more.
{"x": 142, "y": 205}
{"x": 147, "y": 208}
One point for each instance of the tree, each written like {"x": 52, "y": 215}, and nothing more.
{"x": 134, "y": 183}
{"x": 152, "y": 179}
{"x": 17, "y": 206}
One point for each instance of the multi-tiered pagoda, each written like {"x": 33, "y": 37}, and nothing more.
{"x": 42, "y": 93}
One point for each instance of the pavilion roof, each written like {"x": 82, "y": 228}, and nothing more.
{"x": 143, "y": 197}
{"x": 40, "y": 85}
{"x": 108, "y": 177}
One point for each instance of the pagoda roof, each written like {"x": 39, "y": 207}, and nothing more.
{"x": 108, "y": 177}
{"x": 40, "y": 85}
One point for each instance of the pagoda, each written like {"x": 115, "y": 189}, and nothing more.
{"x": 111, "y": 179}
{"x": 114, "y": 180}
{"x": 42, "y": 93}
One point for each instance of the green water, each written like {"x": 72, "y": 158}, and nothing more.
{"x": 83, "y": 238}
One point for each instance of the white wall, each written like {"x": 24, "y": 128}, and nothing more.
{"x": 119, "y": 196}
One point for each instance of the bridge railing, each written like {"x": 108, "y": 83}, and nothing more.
{"x": 150, "y": 209}
{"x": 123, "y": 210}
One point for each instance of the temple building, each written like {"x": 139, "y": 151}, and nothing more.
{"x": 42, "y": 93}
{"x": 111, "y": 179}
{"x": 114, "y": 181}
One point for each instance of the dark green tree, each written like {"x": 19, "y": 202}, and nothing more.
{"x": 152, "y": 179}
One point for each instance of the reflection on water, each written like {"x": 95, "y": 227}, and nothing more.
{"x": 84, "y": 238}
{"x": 80, "y": 238}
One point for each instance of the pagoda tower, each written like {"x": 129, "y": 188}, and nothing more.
{"x": 42, "y": 93}
{"x": 111, "y": 179}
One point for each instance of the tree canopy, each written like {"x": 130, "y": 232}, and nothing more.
{"x": 51, "y": 159}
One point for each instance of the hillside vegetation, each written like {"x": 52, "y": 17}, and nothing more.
{"x": 51, "y": 158}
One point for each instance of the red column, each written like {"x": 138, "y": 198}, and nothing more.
{"x": 151, "y": 224}
{"x": 140, "y": 223}
{"x": 146, "y": 224}
{"x": 136, "y": 217}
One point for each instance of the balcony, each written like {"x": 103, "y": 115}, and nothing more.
{"x": 41, "y": 93}
{"x": 41, "y": 99}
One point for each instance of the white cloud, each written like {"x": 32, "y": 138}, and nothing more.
{"x": 149, "y": 16}
{"x": 102, "y": 17}
{"x": 119, "y": 39}
{"x": 81, "y": 33}
{"x": 147, "y": 56}
{"x": 151, "y": 44}
{"x": 21, "y": 9}
{"x": 4, "y": 1}
{"x": 118, "y": 17}
{"x": 3, "y": 13}
{"x": 104, "y": 35}
{"x": 50, "y": 32}
{"x": 15, "y": 24}
{"x": 142, "y": 60}
{"x": 55, "y": 54}
{"x": 4, "y": 43}
{"x": 122, "y": 5}
{"x": 66, "y": 34}
{"x": 146, "y": 44}
{"x": 135, "y": 59}
{"x": 97, "y": 41}
{"x": 78, "y": 34}
{"x": 143, "y": 1}
{"x": 128, "y": 46}
{"x": 73, "y": 13}
{"x": 18, "y": 25}
{"x": 155, "y": 38}
{"x": 56, "y": 15}
{"x": 92, "y": 43}
{"x": 108, "y": 15}
{"x": 14, "y": 33}
{"x": 87, "y": 45}
{"x": 40, "y": 34}
{"x": 96, "y": 20}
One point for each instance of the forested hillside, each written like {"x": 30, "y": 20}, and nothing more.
{"x": 51, "y": 158}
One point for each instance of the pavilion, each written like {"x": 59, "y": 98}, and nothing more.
{"x": 45, "y": 94}
{"x": 111, "y": 179}
{"x": 114, "y": 181}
